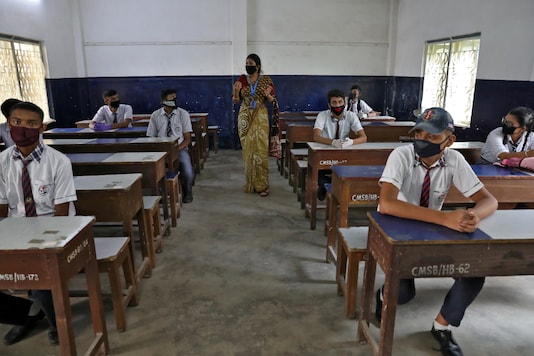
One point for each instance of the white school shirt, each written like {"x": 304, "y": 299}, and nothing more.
{"x": 51, "y": 179}
{"x": 365, "y": 109}
{"x": 5, "y": 135}
{"x": 493, "y": 146}
{"x": 328, "y": 124}
{"x": 180, "y": 124}
{"x": 404, "y": 170}
{"x": 104, "y": 114}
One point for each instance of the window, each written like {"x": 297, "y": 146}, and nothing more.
{"x": 450, "y": 75}
{"x": 22, "y": 72}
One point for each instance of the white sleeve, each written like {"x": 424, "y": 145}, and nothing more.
{"x": 100, "y": 116}
{"x": 152, "y": 130}
{"x": 464, "y": 179}
{"x": 366, "y": 109}
{"x": 493, "y": 146}
{"x": 128, "y": 112}
{"x": 320, "y": 121}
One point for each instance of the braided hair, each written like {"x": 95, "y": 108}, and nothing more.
{"x": 525, "y": 118}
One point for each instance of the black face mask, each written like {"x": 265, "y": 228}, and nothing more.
{"x": 250, "y": 69}
{"x": 425, "y": 148}
{"x": 115, "y": 104}
{"x": 508, "y": 130}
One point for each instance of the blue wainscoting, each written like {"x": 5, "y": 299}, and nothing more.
{"x": 74, "y": 99}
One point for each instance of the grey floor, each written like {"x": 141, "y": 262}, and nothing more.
{"x": 244, "y": 275}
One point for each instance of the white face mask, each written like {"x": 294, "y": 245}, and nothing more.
{"x": 170, "y": 103}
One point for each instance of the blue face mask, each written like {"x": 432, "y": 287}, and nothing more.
{"x": 425, "y": 148}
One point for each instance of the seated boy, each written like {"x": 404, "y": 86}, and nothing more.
{"x": 113, "y": 113}
{"x": 414, "y": 184}
{"x": 332, "y": 127}
{"x": 35, "y": 180}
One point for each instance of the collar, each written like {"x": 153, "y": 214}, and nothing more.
{"x": 441, "y": 162}
{"x": 36, "y": 154}
{"x": 336, "y": 119}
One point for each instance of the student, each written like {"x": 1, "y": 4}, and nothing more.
{"x": 170, "y": 120}
{"x": 404, "y": 183}
{"x": 5, "y": 136}
{"x": 113, "y": 112}
{"x": 52, "y": 193}
{"x": 359, "y": 106}
{"x": 511, "y": 139}
{"x": 332, "y": 127}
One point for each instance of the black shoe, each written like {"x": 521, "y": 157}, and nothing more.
{"x": 321, "y": 193}
{"x": 188, "y": 198}
{"x": 448, "y": 346}
{"x": 53, "y": 338}
{"x": 378, "y": 308}
{"x": 19, "y": 332}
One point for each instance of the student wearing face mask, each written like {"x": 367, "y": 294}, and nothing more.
{"x": 254, "y": 91}
{"x": 414, "y": 185}
{"x": 113, "y": 113}
{"x": 332, "y": 127}
{"x": 358, "y": 105}
{"x": 173, "y": 121}
{"x": 52, "y": 192}
{"x": 511, "y": 139}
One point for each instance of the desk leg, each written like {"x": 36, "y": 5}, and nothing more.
{"x": 165, "y": 202}
{"x": 331, "y": 233}
{"x": 101, "y": 342}
{"x": 311, "y": 194}
{"x": 60, "y": 295}
{"x": 364, "y": 334}
{"x": 389, "y": 311}
{"x": 147, "y": 247}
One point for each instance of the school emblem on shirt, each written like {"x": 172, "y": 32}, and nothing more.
{"x": 441, "y": 198}
{"x": 43, "y": 190}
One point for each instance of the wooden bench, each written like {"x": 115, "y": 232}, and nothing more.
{"x": 174, "y": 189}
{"x": 213, "y": 131}
{"x": 113, "y": 253}
{"x": 352, "y": 247}
{"x": 154, "y": 224}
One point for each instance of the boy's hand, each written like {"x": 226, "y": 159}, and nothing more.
{"x": 462, "y": 220}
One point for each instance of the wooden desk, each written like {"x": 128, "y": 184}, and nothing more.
{"x": 45, "y": 253}
{"x": 378, "y": 118}
{"x": 322, "y": 156}
{"x": 150, "y": 164}
{"x": 140, "y": 144}
{"x": 388, "y": 131}
{"x": 117, "y": 198}
{"x": 76, "y": 132}
{"x": 502, "y": 246}
{"x": 357, "y": 186}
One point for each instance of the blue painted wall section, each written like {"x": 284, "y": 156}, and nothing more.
{"x": 74, "y": 99}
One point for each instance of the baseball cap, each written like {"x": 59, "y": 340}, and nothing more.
{"x": 434, "y": 120}
{"x": 8, "y": 104}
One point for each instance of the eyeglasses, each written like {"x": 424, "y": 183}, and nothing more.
{"x": 508, "y": 123}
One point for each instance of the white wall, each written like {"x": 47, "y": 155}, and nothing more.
{"x": 506, "y": 45}
{"x": 44, "y": 20}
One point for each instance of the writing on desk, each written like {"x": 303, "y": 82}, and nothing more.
{"x": 15, "y": 277}
{"x": 77, "y": 250}
{"x": 331, "y": 162}
{"x": 364, "y": 197}
{"x": 440, "y": 270}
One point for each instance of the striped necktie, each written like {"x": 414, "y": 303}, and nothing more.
{"x": 425, "y": 191}
{"x": 29, "y": 203}
{"x": 169, "y": 126}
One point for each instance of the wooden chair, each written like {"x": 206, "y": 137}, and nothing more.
{"x": 174, "y": 189}
{"x": 213, "y": 131}
{"x": 113, "y": 253}
{"x": 153, "y": 219}
{"x": 352, "y": 247}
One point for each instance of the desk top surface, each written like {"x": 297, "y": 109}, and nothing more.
{"x": 88, "y": 130}
{"x": 388, "y": 123}
{"x": 389, "y": 146}
{"x": 120, "y": 157}
{"x": 40, "y": 232}
{"x": 106, "y": 181}
{"x": 480, "y": 171}
{"x": 96, "y": 141}
{"x": 501, "y": 225}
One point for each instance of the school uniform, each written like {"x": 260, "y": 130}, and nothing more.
{"x": 5, "y": 136}
{"x": 494, "y": 145}
{"x": 361, "y": 108}
{"x": 333, "y": 128}
{"x": 52, "y": 183}
{"x": 105, "y": 115}
{"x": 175, "y": 124}
{"x": 404, "y": 170}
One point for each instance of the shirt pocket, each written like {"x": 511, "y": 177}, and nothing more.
{"x": 43, "y": 194}
{"x": 439, "y": 194}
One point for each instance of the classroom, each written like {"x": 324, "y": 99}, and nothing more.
{"x": 233, "y": 273}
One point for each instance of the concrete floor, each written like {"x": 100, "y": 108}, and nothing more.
{"x": 244, "y": 275}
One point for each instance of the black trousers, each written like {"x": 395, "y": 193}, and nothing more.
{"x": 13, "y": 310}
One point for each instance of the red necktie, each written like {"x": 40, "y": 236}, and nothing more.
{"x": 425, "y": 191}
{"x": 29, "y": 204}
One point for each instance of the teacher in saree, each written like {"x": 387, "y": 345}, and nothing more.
{"x": 253, "y": 91}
